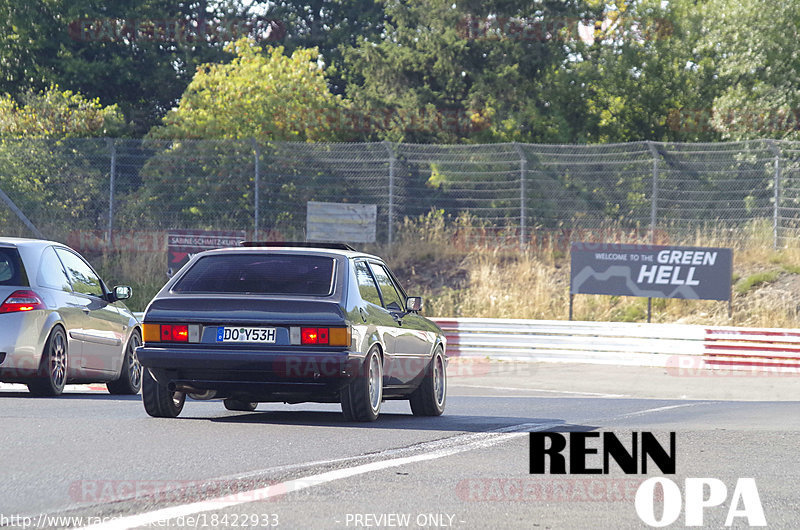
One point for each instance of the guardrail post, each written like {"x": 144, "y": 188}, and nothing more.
{"x": 523, "y": 170}
{"x": 390, "y": 151}
{"x": 773, "y": 146}
{"x": 112, "y": 147}
{"x": 654, "y": 197}
{"x": 256, "y": 178}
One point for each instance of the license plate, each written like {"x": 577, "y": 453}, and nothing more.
{"x": 239, "y": 334}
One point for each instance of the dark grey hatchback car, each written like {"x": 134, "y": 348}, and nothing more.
{"x": 290, "y": 323}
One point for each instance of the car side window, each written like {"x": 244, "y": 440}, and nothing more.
{"x": 366, "y": 284}
{"x": 51, "y": 272}
{"x": 80, "y": 274}
{"x": 391, "y": 298}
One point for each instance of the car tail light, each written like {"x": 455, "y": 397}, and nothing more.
{"x": 22, "y": 301}
{"x": 325, "y": 336}
{"x": 165, "y": 333}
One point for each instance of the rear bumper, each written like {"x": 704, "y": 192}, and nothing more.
{"x": 21, "y": 345}
{"x": 266, "y": 375}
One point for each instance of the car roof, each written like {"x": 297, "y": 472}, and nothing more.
{"x": 315, "y": 251}
{"x": 20, "y": 242}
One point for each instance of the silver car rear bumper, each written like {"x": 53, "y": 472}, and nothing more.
{"x": 22, "y": 342}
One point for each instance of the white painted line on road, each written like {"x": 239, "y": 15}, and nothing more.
{"x": 17, "y": 387}
{"x": 437, "y": 449}
{"x": 454, "y": 445}
{"x": 597, "y": 394}
{"x": 659, "y": 409}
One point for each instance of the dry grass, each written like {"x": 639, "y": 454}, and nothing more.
{"x": 464, "y": 271}
{"x": 495, "y": 279}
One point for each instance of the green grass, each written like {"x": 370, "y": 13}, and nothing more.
{"x": 755, "y": 280}
{"x": 791, "y": 269}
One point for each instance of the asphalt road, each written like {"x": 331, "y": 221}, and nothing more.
{"x": 88, "y": 457}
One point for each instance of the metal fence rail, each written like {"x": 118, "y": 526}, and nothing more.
{"x": 673, "y": 346}
{"x": 512, "y": 191}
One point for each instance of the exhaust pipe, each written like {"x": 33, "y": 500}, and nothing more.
{"x": 204, "y": 395}
{"x": 192, "y": 392}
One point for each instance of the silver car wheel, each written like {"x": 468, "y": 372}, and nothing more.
{"x": 439, "y": 380}
{"x": 135, "y": 369}
{"x": 375, "y": 382}
{"x": 58, "y": 361}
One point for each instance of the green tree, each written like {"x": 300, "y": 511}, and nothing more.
{"x": 55, "y": 113}
{"x": 757, "y": 55}
{"x": 198, "y": 181}
{"x": 637, "y": 76}
{"x": 268, "y": 96}
{"x": 329, "y": 26}
{"x": 138, "y": 54}
{"x": 49, "y": 165}
{"x": 473, "y": 58}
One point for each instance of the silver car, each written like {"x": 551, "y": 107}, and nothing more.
{"x": 60, "y": 324}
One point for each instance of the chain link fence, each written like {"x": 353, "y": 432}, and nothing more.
{"x": 106, "y": 189}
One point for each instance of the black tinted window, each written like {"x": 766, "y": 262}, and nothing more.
{"x": 80, "y": 274}
{"x": 366, "y": 284}
{"x": 51, "y": 272}
{"x": 11, "y": 270}
{"x": 259, "y": 274}
{"x": 391, "y": 298}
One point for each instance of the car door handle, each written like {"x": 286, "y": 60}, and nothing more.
{"x": 86, "y": 310}
{"x": 363, "y": 315}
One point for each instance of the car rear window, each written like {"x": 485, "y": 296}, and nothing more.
{"x": 278, "y": 274}
{"x": 12, "y": 272}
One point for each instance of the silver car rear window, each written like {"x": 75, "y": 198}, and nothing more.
{"x": 12, "y": 272}
{"x": 271, "y": 274}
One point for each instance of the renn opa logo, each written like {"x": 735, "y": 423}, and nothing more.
{"x": 584, "y": 458}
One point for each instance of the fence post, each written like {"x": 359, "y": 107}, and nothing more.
{"x": 390, "y": 151}
{"x": 256, "y": 178}
{"x": 523, "y": 170}
{"x": 654, "y": 201}
{"x": 776, "y": 191}
{"x": 22, "y": 217}
{"x": 112, "y": 177}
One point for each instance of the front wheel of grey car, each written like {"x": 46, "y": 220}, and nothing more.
{"x": 361, "y": 399}
{"x": 53, "y": 366}
{"x": 431, "y": 395}
{"x": 130, "y": 377}
{"x": 158, "y": 400}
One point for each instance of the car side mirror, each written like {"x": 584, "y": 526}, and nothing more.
{"x": 122, "y": 292}
{"x": 414, "y": 303}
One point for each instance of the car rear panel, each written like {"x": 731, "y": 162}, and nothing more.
{"x": 203, "y": 362}
{"x": 20, "y": 339}
{"x": 244, "y": 310}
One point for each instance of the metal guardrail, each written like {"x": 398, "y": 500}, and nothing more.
{"x": 673, "y": 346}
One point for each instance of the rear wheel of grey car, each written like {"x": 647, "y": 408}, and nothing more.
{"x": 431, "y": 395}
{"x": 159, "y": 401}
{"x": 243, "y": 406}
{"x": 361, "y": 399}
{"x": 53, "y": 366}
{"x": 130, "y": 378}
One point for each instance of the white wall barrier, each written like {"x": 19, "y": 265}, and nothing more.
{"x": 673, "y": 346}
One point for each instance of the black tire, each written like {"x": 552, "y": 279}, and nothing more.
{"x": 243, "y": 406}
{"x": 158, "y": 401}
{"x": 130, "y": 377}
{"x": 53, "y": 366}
{"x": 430, "y": 397}
{"x": 361, "y": 399}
